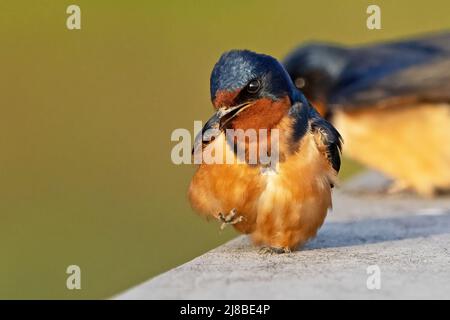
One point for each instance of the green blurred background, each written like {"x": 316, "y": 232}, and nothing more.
{"x": 86, "y": 117}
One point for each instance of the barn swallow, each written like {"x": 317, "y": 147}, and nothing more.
{"x": 390, "y": 101}
{"x": 283, "y": 206}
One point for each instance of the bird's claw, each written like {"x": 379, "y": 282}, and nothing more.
{"x": 274, "y": 250}
{"x": 230, "y": 218}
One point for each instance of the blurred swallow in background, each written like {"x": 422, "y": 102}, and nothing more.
{"x": 390, "y": 101}
{"x": 281, "y": 206}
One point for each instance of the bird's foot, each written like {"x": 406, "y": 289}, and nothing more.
{"x": 274, "y": 250}
{"x": 230, "y": 218}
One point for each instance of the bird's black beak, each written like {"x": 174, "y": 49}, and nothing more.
{"x": 224, "y": 115}
{"x": 217, "y": 122}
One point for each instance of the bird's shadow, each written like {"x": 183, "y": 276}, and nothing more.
{"x": 370, "y": 231}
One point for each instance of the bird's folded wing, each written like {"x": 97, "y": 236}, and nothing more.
{"x": 427, "y": 82}
{"x": 329, "y": 140}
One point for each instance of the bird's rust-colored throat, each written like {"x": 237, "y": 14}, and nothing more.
{"x": 264, "y": 113}
{"x": 261, "y": 114}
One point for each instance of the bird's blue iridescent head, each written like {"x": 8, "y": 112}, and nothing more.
{"x": 242, "y": 75}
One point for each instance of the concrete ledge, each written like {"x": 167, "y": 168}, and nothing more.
{"x": 408, "y": 238}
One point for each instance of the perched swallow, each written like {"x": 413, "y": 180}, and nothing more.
{"x": 281, "y": 206}
{"x": 390, "y": 102}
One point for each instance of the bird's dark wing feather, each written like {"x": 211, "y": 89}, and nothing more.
{"x": 413, "y": 70}
{"x": 439, "y": 41}
{"x": 329, "y": 137}
{"x": 307, "y": 118}
{"x": 426, "y": 82}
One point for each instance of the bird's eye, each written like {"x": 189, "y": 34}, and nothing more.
{"x": 253, "y": 86}
{"x": 300, "y": 83}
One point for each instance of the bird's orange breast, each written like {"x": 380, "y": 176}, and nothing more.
{"x": 282, "y": 207}
{"x": 407, "y": 142}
